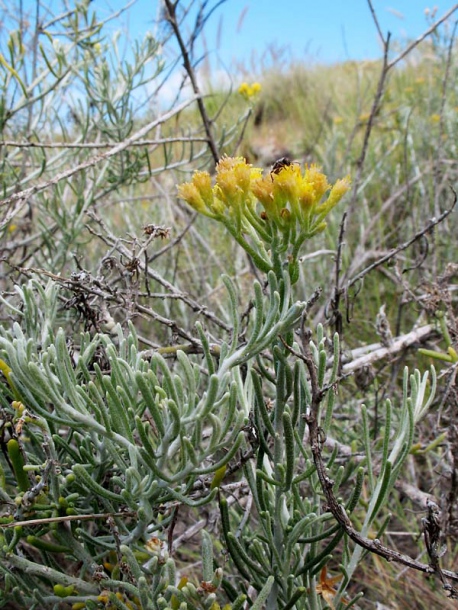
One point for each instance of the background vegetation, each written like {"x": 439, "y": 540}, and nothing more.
{"x": 152, "y": 374}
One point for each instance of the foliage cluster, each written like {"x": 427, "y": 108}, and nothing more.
{"x": 205, "y": 399}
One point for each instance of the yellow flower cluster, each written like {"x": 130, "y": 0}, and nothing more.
{"x": 288, "y": 195}
{"x": 249, "y": 91}
{"x": 230, "y": 195}
{"x": 270, "y": 215}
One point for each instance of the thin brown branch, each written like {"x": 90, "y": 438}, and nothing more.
{"x": 91, "y": 517}
{"x": 425, "y": 34}
{"x": 370, "y": 123}
{"x": 431, "y": 224}
{"x": 170, "y": 8}
{"x": 316, "y": 441}
{"x": 376, "y": 21}
{"x": 447, "y": 81}
{"x": 24, "y": 195}
{"x": 346, "y": 452}
{"x": 337, "y": 291}
{"x": 433, "y": 540}
{"x": 399, "y": 345}
{"x": 97, "y": 145}
{"x": 386, "y": 67}
{"x": 113, "y": 242}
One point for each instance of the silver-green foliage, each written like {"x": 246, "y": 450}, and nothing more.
{"x": 106, "y": 447}
{"x": 122, "y": 440}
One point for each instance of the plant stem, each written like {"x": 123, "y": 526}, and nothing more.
{"x": 171, "y": 18}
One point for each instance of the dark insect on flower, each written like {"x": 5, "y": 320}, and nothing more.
{"x": 280, "y": 164}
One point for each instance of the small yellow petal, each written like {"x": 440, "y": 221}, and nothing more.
{"x": 288, "y": 181}
{"x": 189, "y": 192}
{"x": 263, "y": 190}
{"x": 243, "y": 89}
{"x": 338, "y": 191}
{"x": 256, "y": 88}
{"x": 318, "y": 180}
{"x": 203, "y": 183}
{"x": 233, "y": 177}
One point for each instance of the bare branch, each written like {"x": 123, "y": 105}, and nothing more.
{"x": 327, "y": 484}
{"x": 431, "y": 224}
{"x": 377, "y": 24}
{"x": 23, "y": 196}
{"x": 170, "y": 8}
{"x": 425, "y": 34}
{"x": 399, "y": 345}
{"x": 86, "y": 145}
{"x": 44, "y": 521}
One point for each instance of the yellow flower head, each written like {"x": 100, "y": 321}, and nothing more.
{"x": 293, "y": 199}
{"x": 227, "y": 187}
{"x": 307, "y": 195}
{"x": 203, "y": 183}
{"x": 243, "y": 89}
{"x": 249, "y": 91}
{"x": 339, "y": 189}
{"x": 199, "y": 194}
{"x": 337, "y": 192}
{"x": 287, "y": 181}
{"x": 255, "y": 88}
{"x": 315, "y": 177}
{"x": 190, "y": 193}
{"x": 263, "y": 190}
{"x": 233, "y": 179}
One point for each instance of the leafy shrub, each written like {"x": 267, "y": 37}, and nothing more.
{"x": 179, "y": 424}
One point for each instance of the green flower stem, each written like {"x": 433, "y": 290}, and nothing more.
{"x": 261, "y": 263}
{"x": 261, "y": 227}
{"x": 277, "y": 262}
{"x": 297, "y": 244}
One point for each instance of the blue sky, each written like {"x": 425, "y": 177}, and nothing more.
{"x": 325, "y": 31}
